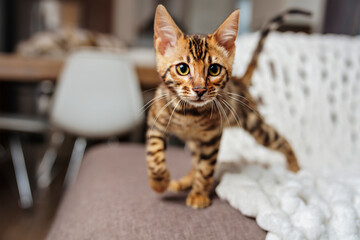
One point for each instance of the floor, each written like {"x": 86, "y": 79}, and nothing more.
{"x": 30, "y": 224}
{"x": 15, "y": 223}
{"x": 18, "y": 224}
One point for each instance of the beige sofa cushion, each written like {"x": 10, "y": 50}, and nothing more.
{"x": 112, "y": 200}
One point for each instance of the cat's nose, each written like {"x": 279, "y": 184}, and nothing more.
{"x": 199, "y": 90}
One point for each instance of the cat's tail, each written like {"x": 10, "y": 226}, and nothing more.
{"x": 272, "y": 25}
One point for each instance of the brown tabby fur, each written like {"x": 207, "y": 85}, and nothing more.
{"x": 199, "y": 121}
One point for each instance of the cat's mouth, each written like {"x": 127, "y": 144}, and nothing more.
{"x": 199, "y": 102}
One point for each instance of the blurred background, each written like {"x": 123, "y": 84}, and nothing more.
{"x": 37, "y": 36}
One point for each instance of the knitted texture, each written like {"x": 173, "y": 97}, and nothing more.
{"x": 308, "y": 88}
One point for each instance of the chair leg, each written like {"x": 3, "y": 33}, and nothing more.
{"x": 75, "y": 161}
{"x": 44, "y": 177}
{"x": 22, "y": 179}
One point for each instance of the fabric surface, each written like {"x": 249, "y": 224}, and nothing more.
{"x": 112, "y": 200}
{"x": 313, "y": 205}
{"x": 308, "y": 88}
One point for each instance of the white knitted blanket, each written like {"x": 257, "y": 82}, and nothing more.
{"x": 310, "y": 86}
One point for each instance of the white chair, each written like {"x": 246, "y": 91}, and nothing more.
{"x": 98, "y": 96}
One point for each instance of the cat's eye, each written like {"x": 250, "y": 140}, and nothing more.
{"x": 182, "y": 69}
{"x": 214, "y": 69}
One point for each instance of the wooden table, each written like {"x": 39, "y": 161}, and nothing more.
{"x": 20, "y": 69}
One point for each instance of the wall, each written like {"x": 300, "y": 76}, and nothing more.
{"x": 263, "y": 10}
{"x": 2, "y": 29}
{"x": 204, "y": 16}
{"x": 343, "y": 17}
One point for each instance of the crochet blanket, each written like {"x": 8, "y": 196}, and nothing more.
{"x": 310, "y": 91}
{"x": 313, "y": 204}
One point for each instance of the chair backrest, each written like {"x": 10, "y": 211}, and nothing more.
{"x": 98, "y": 95}
{"x": 310, "y": 89}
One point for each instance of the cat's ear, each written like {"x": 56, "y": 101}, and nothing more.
{"x": 166, "y": 32}
{"x": 226, "y": 34}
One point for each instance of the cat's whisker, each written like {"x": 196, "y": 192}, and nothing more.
{"x": 245, "y": 105}
{"x": 161, "y": 110}
{"x": 226, "y": 117}
{"x": 224, "y": 112}
{"x": 212, "y": 106}
{"x": 233, "y": 112}
{"x": 155, "y": 98}
{"x": 216, "y": 104}
{"x": 172, "y": 115}
{"x": 238, "y": 95}
{"x": 148, "y": 90}
{"x": 184, "y": 107}
{"x": 150, "y": 103}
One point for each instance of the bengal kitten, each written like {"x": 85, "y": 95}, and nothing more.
{"x": 198, "y": 98}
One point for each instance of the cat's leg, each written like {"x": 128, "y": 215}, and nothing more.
{"x": 186, "y": 181}
{"x": 159, "y": 176}
{"x": 203, "y": 179}
{"x": 267, "y": 136}
{"x": 183, "y": 183}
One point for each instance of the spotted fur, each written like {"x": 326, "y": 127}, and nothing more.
{"x": 199, "y": 118}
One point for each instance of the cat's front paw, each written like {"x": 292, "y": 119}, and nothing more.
{"x": 198, "y": 201}
{"x": 161, "y": 183}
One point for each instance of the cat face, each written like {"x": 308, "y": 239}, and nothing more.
{"x": 195, "y": 67}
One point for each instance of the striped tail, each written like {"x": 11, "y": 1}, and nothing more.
{"x": 272, "y": 25}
